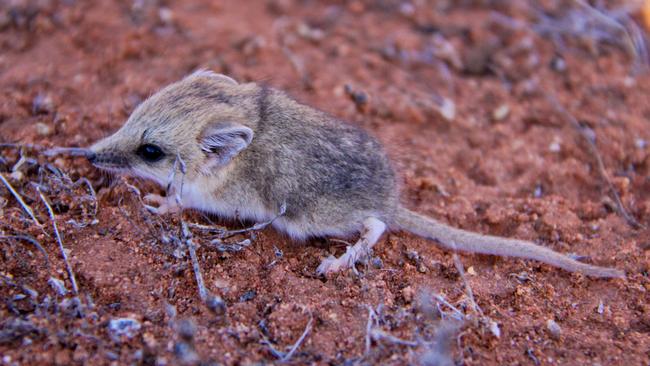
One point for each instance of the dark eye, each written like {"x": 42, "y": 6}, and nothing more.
{"x": 150, "y": 153}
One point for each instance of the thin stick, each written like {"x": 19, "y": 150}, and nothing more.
{"x": 171, "y": 176}
{"x": 378, "y": 334}
{"x": 26, "y": 289}
{"x": 15, "y": 145}
{"x": 30, "y": 240}
{"x": 597, "y": 14}
{"x": 187, "y": 235}
{"x": 593, "y": 149}
{"x": 299, "y": 341}
{"x": 185, "y": 231}
{"x": 284, "y": 357}
{"x": 20, "y": 200}
{"x": 75, "y": 289}
{"x": 72, "y": 151}
{"x": 468, "y": 289}
{"x": 459, "y": 314}
{"x": 91, "y": 190}
{"x": 298, "y": 65}
{"x": 275, "y": 352}
{"x": 213, "y": 302}
{"x": 258, "y": 226}
{"x": 206, "y": 227}
{"x": 369, "y": 325}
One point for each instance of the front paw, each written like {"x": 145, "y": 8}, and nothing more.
{"x": 329, "y": 265}
{"x": 164, "y": 204}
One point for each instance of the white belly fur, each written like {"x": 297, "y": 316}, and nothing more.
{"x": 196, "y": 196}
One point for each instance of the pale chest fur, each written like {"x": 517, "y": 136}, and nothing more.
{"x": 204, "y": 195}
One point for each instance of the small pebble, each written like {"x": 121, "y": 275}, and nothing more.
{"x": 123, "y": 327}
{"x": 71, "y": 307}
{"x": 166, "y": 15}
{"x": 501, "y": 112}
{"x": 58, "y": 286}
{"x": 408, "y": 293}
{"x": 42, "y": 104}
{"x": 554, "y": 146}
{"x": 558, "y": 64}
{"x": 359, "y": 97}
{"x": 406, "y": 8}
{"x": 247, "y": 296}
{"x": 494, "y": 328}
{"x": 216, "y": 305}
{"x": 17, "y": 175}
{"x": 186, "y": 329}
{"x": 554, "y": 328}
{"x": 43, "y": 129}
{"x": 447, "y": 109}
{"x": 150, "y": 340}
{"x": 137, "y": 355}
{"x": 412, "y": 255}
{"x": 640, "y": 143}
{"x": 310, "y": 33}
{"x": 185, "y": 353}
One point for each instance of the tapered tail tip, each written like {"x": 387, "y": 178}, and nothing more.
{"x": 605, "y": 272}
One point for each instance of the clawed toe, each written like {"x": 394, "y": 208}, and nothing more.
{"x": 326, "y": 266}
{"x": 373, "y": 228}
{"x": 332, "y": 264}
{"x": 165, "y": 204}
{"x": 154, "y": 198}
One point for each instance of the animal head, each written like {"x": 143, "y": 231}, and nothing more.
{"x": 200, "y": 123}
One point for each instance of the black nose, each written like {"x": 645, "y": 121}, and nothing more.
{"x": 91, "y": 156}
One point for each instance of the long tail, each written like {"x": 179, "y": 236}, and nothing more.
{"x": 457, "y": 239}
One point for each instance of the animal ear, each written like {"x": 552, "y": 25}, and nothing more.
{"x": 213, "y": 75}
{"x": 223, "y": 141}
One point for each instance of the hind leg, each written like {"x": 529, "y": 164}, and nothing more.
{"x": 372, "y": 230}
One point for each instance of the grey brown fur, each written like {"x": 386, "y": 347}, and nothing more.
{"x": 249, "y": 149}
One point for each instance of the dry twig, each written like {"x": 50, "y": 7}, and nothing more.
{"x": 187, "y": 236}
{"x": 213, "y": 302}
{"x": 20, "y": 200}
{"x": 30, "y": 240}
{"x": 285, "y": 357}
{"x": 258, "y": 226}
{"x": 635, "y": 47}
{"x": 68, "y": 267}
{"x": 71, "y": 151}
{"x": 593, "y": 150}
{"x": 373, "y": 333}
{"x": 33, "y": 294}
{"x": 468, "y": 288}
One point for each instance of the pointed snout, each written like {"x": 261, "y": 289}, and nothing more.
{"x": 95, "y": 150}
{"x": 106, "y": 153}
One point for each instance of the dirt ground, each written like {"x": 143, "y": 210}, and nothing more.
{"x": 506, "y": 161}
